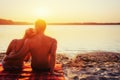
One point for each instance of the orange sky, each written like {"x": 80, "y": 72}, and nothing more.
{"x": 61, "y": 10}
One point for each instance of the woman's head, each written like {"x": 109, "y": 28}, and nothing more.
{"x": 30, "y": 32}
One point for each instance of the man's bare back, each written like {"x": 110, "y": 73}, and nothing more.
{"x": 43, "y": 51}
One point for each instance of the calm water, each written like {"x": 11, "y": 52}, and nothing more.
{"x": 71, "y": 38}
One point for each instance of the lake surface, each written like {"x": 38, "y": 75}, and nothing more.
{"x": 71, "y": 38}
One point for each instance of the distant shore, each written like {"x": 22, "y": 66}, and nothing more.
{"x": 90, "y": 66}
{"x": 11, "y": 22}
{"x": 89, "y": 23}
{"x": 27, "y": 23}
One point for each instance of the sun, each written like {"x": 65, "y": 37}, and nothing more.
{"x": 42, "y": 12}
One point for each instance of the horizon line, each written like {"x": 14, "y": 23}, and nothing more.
{"x": 11, "y": 22}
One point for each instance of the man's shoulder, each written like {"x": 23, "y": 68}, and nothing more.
{"x": 44, "y": 37}
{"x": 51, "y": 38}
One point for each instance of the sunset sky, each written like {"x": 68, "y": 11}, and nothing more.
{"x": 61, "y": 10}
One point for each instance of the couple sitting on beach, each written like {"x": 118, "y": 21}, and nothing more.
{"x": 36, "y": 44}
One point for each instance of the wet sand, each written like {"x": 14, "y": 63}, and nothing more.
{"x": 90, "y": 66}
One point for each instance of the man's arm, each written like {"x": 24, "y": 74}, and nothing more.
{"x": 53, "y": 55}
{"x": 22, "y": 53}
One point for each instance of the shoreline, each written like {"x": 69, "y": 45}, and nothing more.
{"x": 90, "y": 66}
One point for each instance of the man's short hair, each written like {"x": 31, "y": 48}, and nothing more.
{"x": 40, "y": 25}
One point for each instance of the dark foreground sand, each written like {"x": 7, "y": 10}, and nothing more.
{"x": 90, "y": 66}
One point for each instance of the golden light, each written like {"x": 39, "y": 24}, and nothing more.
{"x": 42, "y": 12}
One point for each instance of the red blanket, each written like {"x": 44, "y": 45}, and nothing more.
{"x": 27, "y": 74}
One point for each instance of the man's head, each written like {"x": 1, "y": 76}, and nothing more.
{"x": 40, "y": 26}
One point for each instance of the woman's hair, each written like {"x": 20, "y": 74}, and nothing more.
{"x": 30, "y": 32}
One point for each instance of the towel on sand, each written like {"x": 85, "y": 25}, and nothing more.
{"x": 27, "y": 74}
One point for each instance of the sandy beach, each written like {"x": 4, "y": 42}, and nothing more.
{"x": 90, "y": 66}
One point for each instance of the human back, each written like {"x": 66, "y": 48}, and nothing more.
{"x": 13, "y": 48}
{"x": 16, "y": 63}
{"x": 42, "y": 48}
